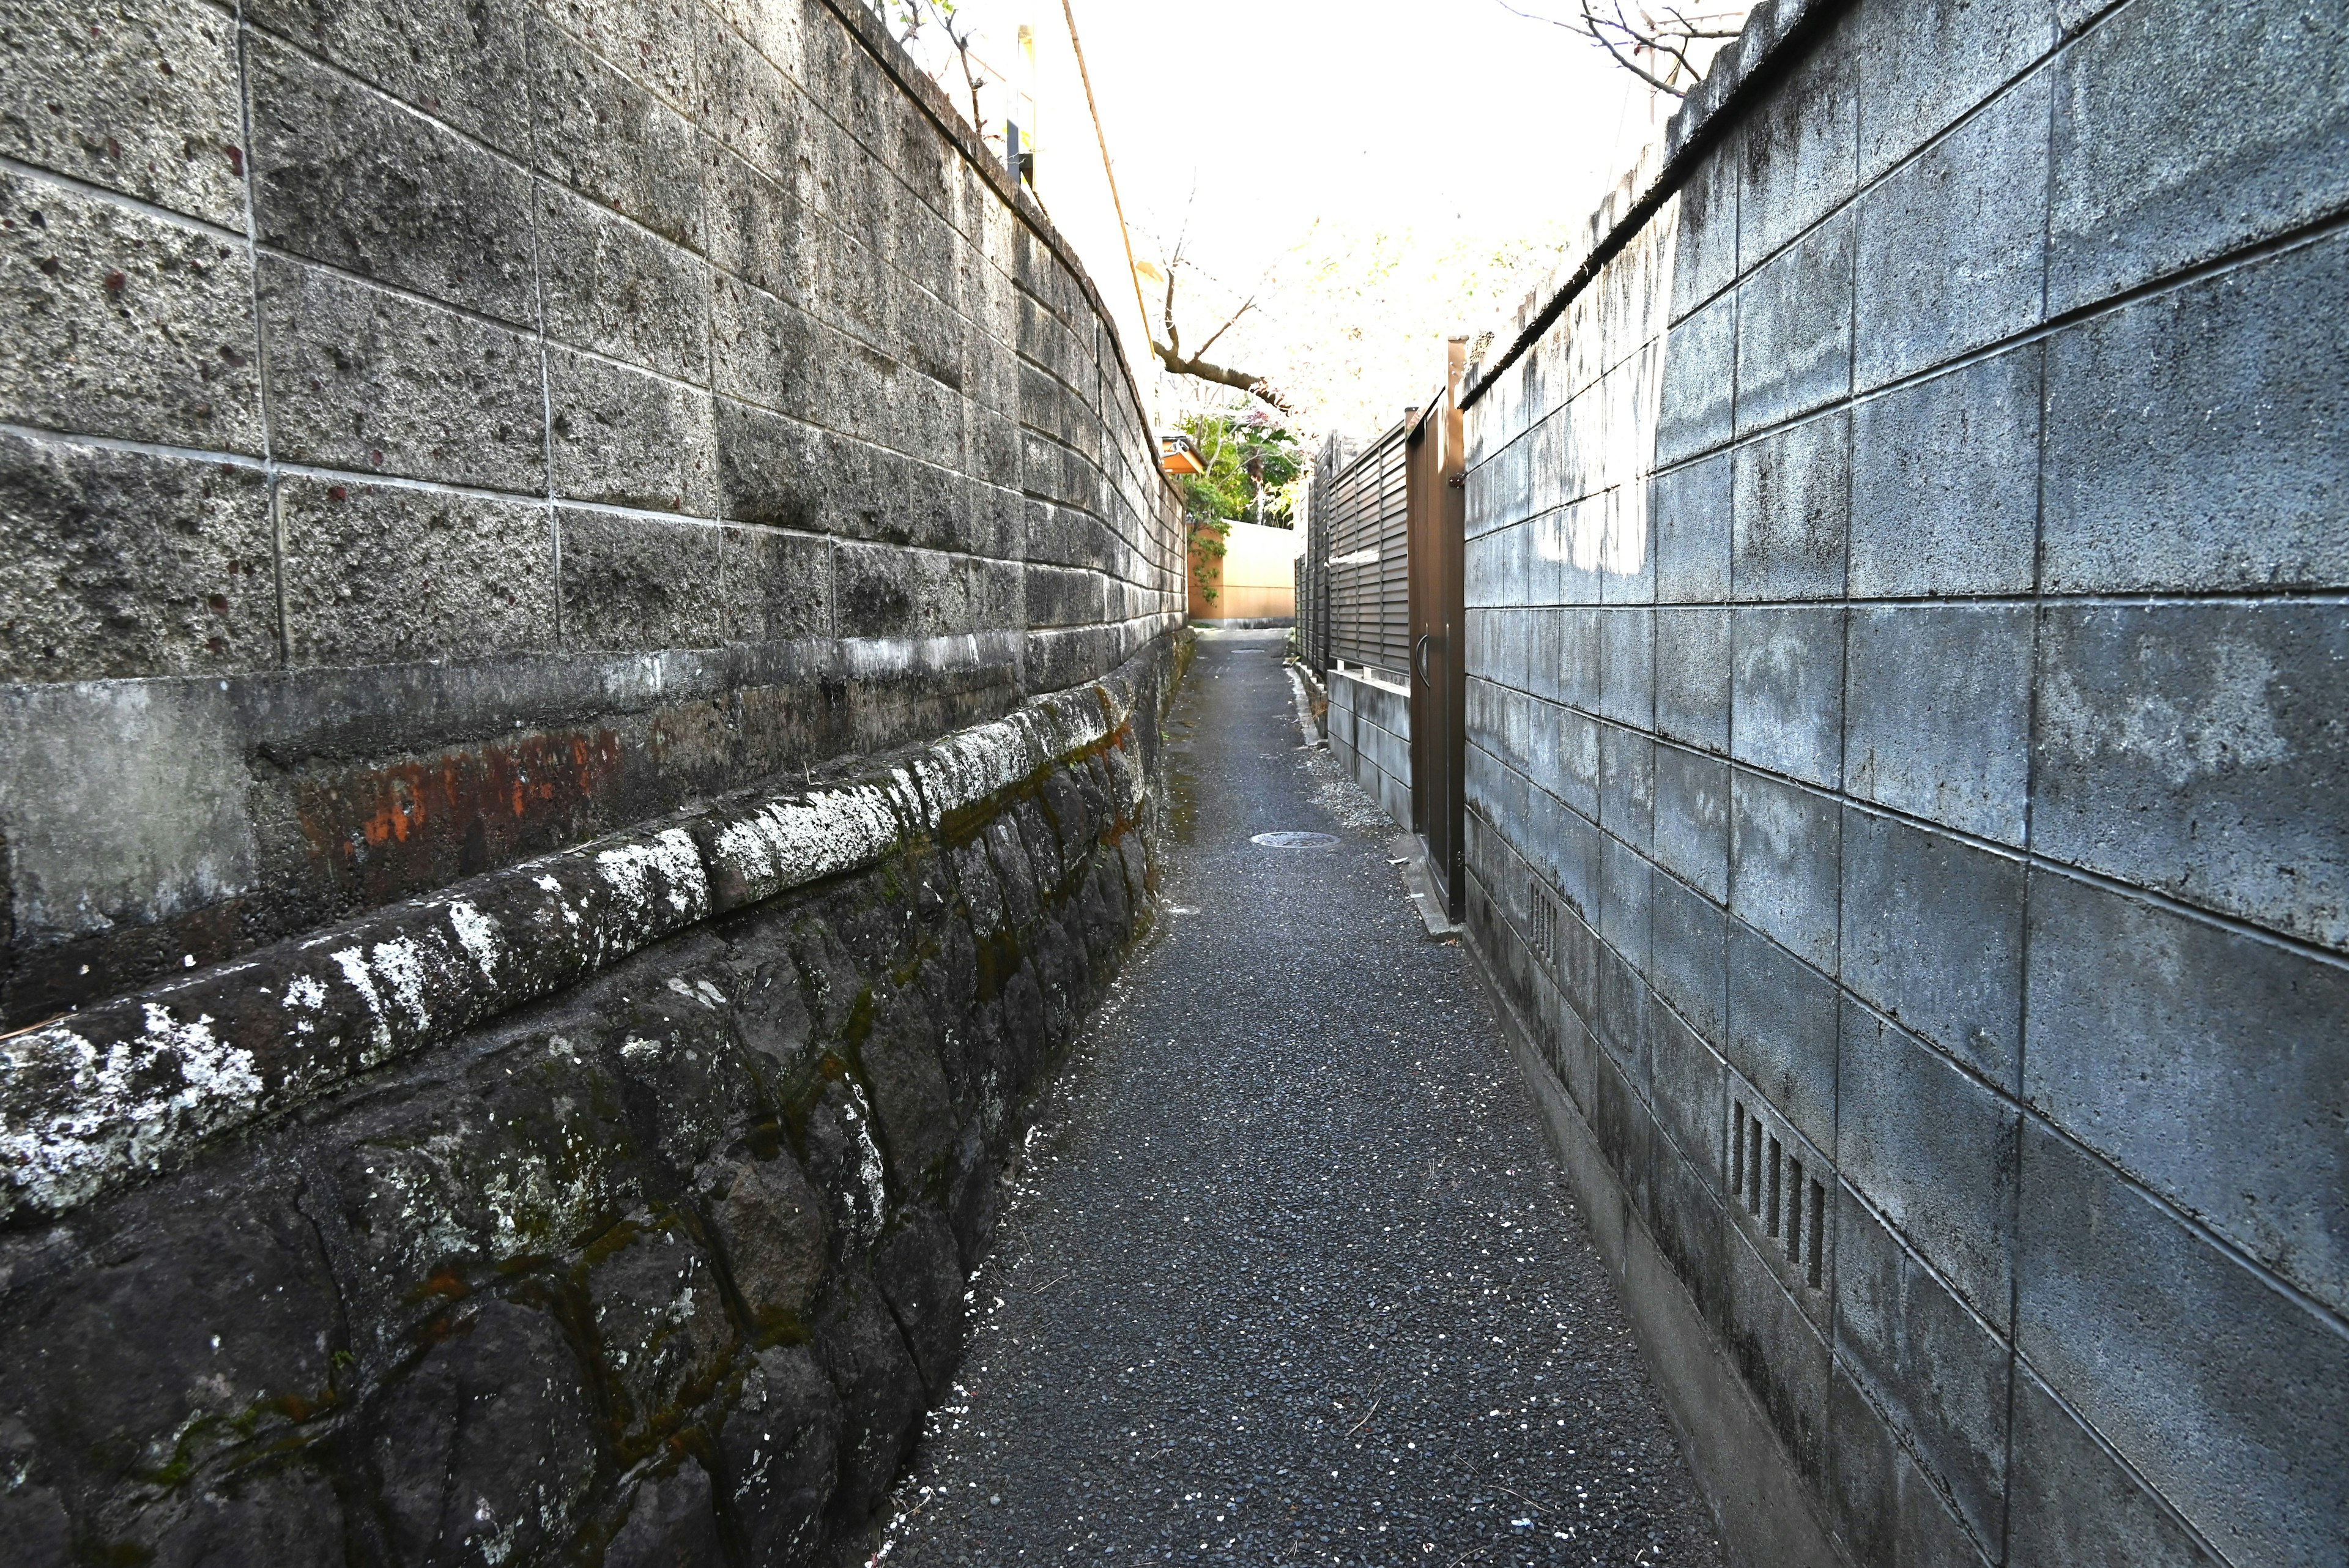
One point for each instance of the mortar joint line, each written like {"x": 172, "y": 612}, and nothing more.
{"x": 261, "y": 339}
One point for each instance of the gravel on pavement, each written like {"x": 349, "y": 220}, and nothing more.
{"x": 1290, "y": 1274}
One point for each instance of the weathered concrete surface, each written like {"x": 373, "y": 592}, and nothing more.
{"x": 653, "y": 1256}
{"x": 1369, "y": 720}
{"x": 1991, "y": 865}
{"x": 1292, "y": 1277}
{"x": 601, "y": 409}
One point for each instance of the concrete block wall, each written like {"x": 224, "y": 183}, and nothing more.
{"x": 1906, "y": 790}
{"x": 432, "y": 435}
{"x": 1370, "y": 734}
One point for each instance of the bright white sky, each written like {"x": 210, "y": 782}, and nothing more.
{"x": 1440, "y": 114}
{"x": 1439, "y": 121}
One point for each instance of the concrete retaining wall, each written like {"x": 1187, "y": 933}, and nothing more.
{"x": 432, "y": 438}
{"x": 1906, "y": 639}
{"x": 616, "y": 1207}
{"x": 1370, "y": 734}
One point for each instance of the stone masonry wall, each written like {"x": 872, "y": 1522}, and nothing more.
{"x": 614, "y": 1208}
{"x": 432, "y": 434}
{"x": 1907, "y": 774}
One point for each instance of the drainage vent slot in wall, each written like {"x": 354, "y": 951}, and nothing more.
{"x": 1541, "y": 922}
{"x": 1770, "y": 1181}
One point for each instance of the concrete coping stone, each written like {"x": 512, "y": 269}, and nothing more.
{"x": 1365, "y": 676}
{"x": 1775, "y": 34}
{"x": 127, "y": 1089}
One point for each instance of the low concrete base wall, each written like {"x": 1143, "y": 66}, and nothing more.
{"x": 1759, "y": 1502}
{"x": 1369, "y": 733}
{"x": 614, "y": 1208}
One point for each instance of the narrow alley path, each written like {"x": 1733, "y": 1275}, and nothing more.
{"x": 1292, "y": 1277}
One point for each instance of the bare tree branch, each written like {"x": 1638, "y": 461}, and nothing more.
{"x": 1665, "y": 37}
{"x": 1254, "y": 385}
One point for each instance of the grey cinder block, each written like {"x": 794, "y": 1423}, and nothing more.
{"x": 1691, "y": 509}
{"x": 1624, "y": 900}
{"x": 1704, "y": 239}
{"x": 373, "y": 382}
{"x": 1923, "y": 62}
{"x": 1783, "y": 852}
{"x": 1800, "y": 147}
{"x": 1627, "y": 653}
{"x": 1782, "y": 1031}
{"x": 2147, "y": 1330}
{"x": 1887, "y": 1507}
{"x": 1932, "y": 935}
{"x": 1938, "y": 713}
{"x": 2074, "y": 1505}
{"x": 1794, "y": 328}
{"x": 1689, "y": 961}
{"x": 1692, "y": 818}
{"x": 1696, "y": 402}
{"x": 2197, "y": 749}
{"x": 1687, "y": 1079}
{"x": 2194, "y": 439}
{"x": 1791, "y": 509}
{"x": 2183, "y": 132}
{"x": 1953, "y": 243}
{"x": 1933, "y": 1149}
{"x": 1787, "y": 692}
{"x": 1577, "y": 779}
{"x": 1945, "y": 483}
{"x": 1692, "y": 676}
{"x": 2212, "y": 1074}
{"x": 1571, "y": 852}
{"x": 1627, "y": 784}
{"x": 379, "y": 574}
{"x": 645, "y": 42}
{"x": 1936, "y": 1370}
{"x": 1782, "y": 1356}
{"x": 758, "y": 225}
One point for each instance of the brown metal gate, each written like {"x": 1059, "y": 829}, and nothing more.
{"x": 1437, "y": 515}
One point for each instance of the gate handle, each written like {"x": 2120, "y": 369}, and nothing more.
{"x": 1419, "y": 658}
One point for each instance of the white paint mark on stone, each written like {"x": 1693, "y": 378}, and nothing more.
{"x": 400, "y": 964}
{"x": 668, "y": 867}
{"x": 123, "y": 1107}
{"x": 478, "y": 934}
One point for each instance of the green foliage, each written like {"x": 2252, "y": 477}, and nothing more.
{"x": 1248, "y": 451}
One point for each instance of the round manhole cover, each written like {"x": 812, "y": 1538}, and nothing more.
{"x": 1295, "y": 840}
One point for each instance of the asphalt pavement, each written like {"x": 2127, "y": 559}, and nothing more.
{"x": 1290, "y": 1276}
